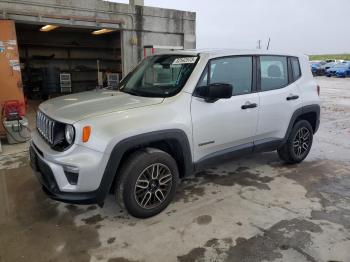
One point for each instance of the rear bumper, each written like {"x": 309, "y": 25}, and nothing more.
{"x": 46, "y": 177}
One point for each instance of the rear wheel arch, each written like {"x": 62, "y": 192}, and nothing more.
{"x": 310, "y": 113}
{"x": 311, "y": 117}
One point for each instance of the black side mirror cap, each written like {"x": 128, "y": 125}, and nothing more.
{"x": 216, "y": 91}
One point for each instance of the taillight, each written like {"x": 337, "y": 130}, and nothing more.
{"x": 318, "y": 90}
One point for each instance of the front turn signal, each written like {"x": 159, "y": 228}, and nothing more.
{"x": 86, "y": 133}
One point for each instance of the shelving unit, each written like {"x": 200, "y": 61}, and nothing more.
{"x": 74, "y": 51}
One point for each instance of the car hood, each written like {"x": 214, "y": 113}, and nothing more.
{"x": 76, "y": 107}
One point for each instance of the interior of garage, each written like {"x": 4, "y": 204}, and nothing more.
{"x": 60, "y": 60}
{"x": 53, "y": 48}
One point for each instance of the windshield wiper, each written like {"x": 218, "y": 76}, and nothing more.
{"x": 130, "y": 92}
{"x": 143, "y": 94}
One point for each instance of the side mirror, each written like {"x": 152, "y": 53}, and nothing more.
{"x": 216, "y": 91}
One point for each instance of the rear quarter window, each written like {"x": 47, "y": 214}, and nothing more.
{"x": 295, "y": 68}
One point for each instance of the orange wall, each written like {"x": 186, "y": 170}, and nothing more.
{"x": 10, "y": 73}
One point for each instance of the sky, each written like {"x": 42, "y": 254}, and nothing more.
{"x": 308, "y": 26}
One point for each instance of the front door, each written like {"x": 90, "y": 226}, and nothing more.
{"x": 228, "y": 123}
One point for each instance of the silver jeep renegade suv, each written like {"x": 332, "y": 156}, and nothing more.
{"x": 175, "y": 114}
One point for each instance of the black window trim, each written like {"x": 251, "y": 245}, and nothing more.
{"x": 290, "y": 70}
{"x": 254, "y": 84}
{"x": 256, "y": 77}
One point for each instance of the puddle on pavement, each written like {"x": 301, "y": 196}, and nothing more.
{"x": 31, "y": 225}
{"x": 325, "y": 180}
{"x": 329, "y": 181}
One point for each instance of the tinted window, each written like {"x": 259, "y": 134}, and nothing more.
{"x": 274, "y": 72}
{"x": 236, "y": 71}
{"x": 295, "y": 67}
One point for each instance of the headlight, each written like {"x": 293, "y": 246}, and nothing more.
{"x": 69, "y": 134}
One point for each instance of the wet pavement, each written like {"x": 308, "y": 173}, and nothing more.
{"x": 251, "y": 209}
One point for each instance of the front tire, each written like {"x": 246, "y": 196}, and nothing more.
{"x": 147, "y": 182}
{"x": 298, "y": 144}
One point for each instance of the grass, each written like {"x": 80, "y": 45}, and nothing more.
{"x": 326, "y": 57}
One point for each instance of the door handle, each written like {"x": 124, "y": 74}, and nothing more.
{"x": 249, "y": 105}
{"x": 292, "y": 97}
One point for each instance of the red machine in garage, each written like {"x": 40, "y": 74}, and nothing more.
{"x": 10, "y": 71}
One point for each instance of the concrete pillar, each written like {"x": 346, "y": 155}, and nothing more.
{"x": 129, "y": 51}
{"x": 137, "y": 2}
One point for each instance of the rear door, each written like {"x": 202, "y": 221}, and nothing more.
{"x": 227, "y": 123}
{"x": 279, "y": 97}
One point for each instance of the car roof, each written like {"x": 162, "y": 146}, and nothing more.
{"x": 231, "y": 52}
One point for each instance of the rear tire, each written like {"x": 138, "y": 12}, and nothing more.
{"x": 298, "y": 144}
{"x": 147, "y": 182}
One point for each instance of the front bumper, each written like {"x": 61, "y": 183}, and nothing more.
{"x": 45, "y": 175}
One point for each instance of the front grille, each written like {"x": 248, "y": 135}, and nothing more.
{"x": 46, "y": 127}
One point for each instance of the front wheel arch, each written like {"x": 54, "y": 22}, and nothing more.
{"x": 127, "y": 146}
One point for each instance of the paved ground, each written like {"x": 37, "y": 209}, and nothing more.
{"x": 251, "y": 209}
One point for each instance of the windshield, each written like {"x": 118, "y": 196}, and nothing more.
{"x": 159, "y": 76}
{"x": 329, "y": 64}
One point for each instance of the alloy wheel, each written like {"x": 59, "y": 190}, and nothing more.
{"x": 301, "y": 142}
{"x": 153, "y": 186}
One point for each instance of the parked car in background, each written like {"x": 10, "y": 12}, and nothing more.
{"x": 315, "y": 65}
{"x": 344, "y": 72}
{"x": 321, "y": 71}
{"x": 339, "y": 70}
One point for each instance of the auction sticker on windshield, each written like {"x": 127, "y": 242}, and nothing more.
{"x": 185, "y": 60}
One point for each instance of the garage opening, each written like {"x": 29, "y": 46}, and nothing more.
{"x": 62, "y": 60}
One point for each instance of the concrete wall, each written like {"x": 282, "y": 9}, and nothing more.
{"x": 140, "y": 25}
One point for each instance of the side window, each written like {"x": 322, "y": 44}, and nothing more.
{"x": 295, "y": 68}
{"x": 236, "y": 71}
{"x": 274, "y": 72}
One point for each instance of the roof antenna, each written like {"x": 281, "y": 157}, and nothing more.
{"x": 258, "y": 44}
{"x": 268, "y": 44}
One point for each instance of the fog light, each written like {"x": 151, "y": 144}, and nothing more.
{"x": 72, "y": 174}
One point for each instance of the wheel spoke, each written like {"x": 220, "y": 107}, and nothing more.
{"x": 146, "y": 199}
{"x": 299, "y": 151}
{"x": 296, "y": 143}
{"x": 305, "y": 146}
{"x": 165, "y": 179}
{"x": 299, "y": 134}
{"x": 142, "y": 183}
{"x": 155, "y": 171}
{"x": 159, "y": 195}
